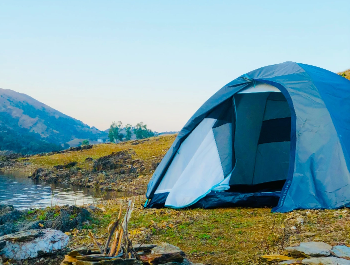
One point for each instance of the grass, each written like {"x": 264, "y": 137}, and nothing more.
{"x": 149, "y": 150}
{"x": 223, "y": 236}
{"x": 216, "y": 236}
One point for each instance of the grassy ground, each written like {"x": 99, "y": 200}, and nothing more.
{"x": 218, "y": 236}
{"x": 223, "y": 236}
{"x": 149, "y": 150}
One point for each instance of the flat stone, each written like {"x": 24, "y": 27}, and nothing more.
{"x": 143, "y": 247}
{"x": 41, "y": 242}
{"x": 341, "y": 252}
{"x": 326, "y": 261}
{"x": 314, "y": 249}
{"x": 291, "y": 262}
{"x": 95, "y": 257}
{"x": 164, "y": 253}
{"x": 23, "y": 236}
{"x": 83, "y": 251}
{"x": 110, "y": 262}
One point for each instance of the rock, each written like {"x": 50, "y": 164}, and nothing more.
{"x": 83, "y": 251}
{"x": 22, "y": 236}
{"x": 326, "y": 261}
{"x": 38, "y": 173}
{"x": 164, "y": 253}
{"x": 9, "y": 214}
{"x": 291, "y": 262}
{"x": 2, "y": 244}
{"x": 114, "y": 261}
{"x": 341, "y": 252}
{"x": 8, "y": 228}
{"x": 32, "y": 243}
{"x": 1, "y": 261}
{"x": 314, "y": 249}
{"x": 93, "y": 208}
{"x": 8, "y": 217}
{"x": 70, "y": 217}
{"x": 144, "y": 247}
{"x": 69, "y": 165}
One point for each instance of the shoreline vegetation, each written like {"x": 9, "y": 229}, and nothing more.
{"x": 215, "y": 236}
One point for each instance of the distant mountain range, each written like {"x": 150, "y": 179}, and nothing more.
{"x": 29, "y": 126}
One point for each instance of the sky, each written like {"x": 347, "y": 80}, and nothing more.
{"x": 158, "y": 61}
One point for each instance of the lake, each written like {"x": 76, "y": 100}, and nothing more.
{"x": 24, "y": 193}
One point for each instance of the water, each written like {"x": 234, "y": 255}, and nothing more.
{"x": 23, "y": 193}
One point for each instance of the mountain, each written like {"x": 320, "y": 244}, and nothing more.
{"x": 29, "y": 126}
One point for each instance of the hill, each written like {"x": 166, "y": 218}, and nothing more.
{"x": 29, "y": 126}
{"x": 345, "y": 74}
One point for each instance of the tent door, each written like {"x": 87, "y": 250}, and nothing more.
{"x": 262, "y": 141}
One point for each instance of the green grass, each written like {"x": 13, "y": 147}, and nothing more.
{"x": 215, "y": 236}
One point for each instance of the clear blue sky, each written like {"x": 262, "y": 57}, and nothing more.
{"x": 158, "y": 61}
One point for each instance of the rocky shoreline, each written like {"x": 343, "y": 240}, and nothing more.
{"x": 114, "y": 172}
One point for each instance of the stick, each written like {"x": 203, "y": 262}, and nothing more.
{"x": 94, "y": 240}
{"x": 125, "y": 227}
{"x": 112, "y": 229}
{"x": 114, "y": 244}
{"x": 120, "y": 241}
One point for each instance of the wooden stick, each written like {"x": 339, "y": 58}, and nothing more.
{"x": 114, "y": 244}
{"x": 120, "y": 241}
{"x": 113, "y": 226}
{"x": 95, "y": 241}
{"x": 127, "y": 242}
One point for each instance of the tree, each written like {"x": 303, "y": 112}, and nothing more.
{"x": 85, "y": 142}
{"x": 141, "y": 131}
{"x": 114, "y": 132}
{"x": 128, "y": 128}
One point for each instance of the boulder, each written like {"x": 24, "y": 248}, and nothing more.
{"x": 326, "y": 261}
{"x": 9, "y": 214}
{"x": 314, "y": 249}
{"x": 69, "y": 217}
{"x": 341, "y": 252}
{"x": 32, "y": 243}
{"x": 164, "y": 253}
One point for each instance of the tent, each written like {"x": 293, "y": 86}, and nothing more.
{"x": 278, "y": 136}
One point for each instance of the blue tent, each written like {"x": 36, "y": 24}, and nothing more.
{"x": 278, "y": 136}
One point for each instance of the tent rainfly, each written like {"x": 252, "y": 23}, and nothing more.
{"x": 278, "y": 136}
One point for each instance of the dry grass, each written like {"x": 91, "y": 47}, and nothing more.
{"x": 345, "y": 74}
{"x": 224, "y": 236}
{"x": 217, "y": 236}
{"x": 149, "y": 150}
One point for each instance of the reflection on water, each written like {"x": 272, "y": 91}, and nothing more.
{"x": 23, "y": 193}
